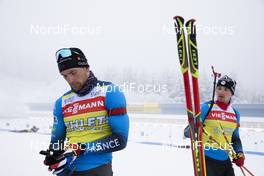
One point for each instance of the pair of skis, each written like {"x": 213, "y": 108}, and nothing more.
{"x": 189, "y": 63}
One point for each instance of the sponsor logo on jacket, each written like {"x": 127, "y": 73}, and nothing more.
{"x": 225, "y": 116}
{"x": 84, "y": 106}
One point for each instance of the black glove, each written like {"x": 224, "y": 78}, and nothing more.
{"x": 58, "y": 161}
{"x": 52, "y": 156}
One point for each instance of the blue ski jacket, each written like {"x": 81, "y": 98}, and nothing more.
{"x": 97, "y": 119}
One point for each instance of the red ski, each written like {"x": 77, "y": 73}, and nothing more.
{"x": 189, "y": 62}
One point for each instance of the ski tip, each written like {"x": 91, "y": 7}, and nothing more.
{"x": 190, "y": 22}
{"x": 178, "y": 17}
{"x": 178, "y": 21}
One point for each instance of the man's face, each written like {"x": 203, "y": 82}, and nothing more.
{"x": 76, "y": 77}
{"x": 223, "y": 94}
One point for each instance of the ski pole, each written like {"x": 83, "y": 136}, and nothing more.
{"x": 248, "y": 171}
{"x": 216, "y": 75}
{"x": 242, "y": 171}
{"x": 211, "y": 138}
{"x": 224, "y": 134}
{"x": 232, "y": 154}
{"x": 233, "y": 151}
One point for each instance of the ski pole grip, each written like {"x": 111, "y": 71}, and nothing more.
{"x": 216, "y": 74}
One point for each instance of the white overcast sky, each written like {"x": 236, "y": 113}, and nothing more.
{"x": 129, "y": 34}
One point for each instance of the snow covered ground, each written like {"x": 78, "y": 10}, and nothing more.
{"x": 148, "y": 152}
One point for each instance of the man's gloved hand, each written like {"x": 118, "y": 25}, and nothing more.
{"x": 58, "y": 161}
{"x": 239, "y": 159}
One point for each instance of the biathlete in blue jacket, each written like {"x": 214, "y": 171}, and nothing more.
{"x": 221, "y": 131}
{"x": 90, "y": 121}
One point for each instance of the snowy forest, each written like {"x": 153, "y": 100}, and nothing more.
{"x": 167, "y": 87}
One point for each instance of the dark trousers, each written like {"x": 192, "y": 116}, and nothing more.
{"x": 218, "y": 168}
{"x": 104, "y": 170}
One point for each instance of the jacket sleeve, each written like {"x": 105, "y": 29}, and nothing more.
{"x": 236, "y": 141}
{"x": 118, "y": 123}
{"x": 58, "y": 130}
{"x": 204, "y": 110}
